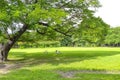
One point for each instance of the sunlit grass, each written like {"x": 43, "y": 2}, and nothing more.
{"x": 42, "y": 66}
{"x": 71, "y": 58}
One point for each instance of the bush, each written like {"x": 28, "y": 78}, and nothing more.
{"x": 41, "y": 44}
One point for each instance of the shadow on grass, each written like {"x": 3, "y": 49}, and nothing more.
{"x": 34, "y": 59}
{"x": 26, "y": 74}
{"x": 65, "y": 57}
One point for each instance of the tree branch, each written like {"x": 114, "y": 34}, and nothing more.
{"x": 19, "y": 33}
{"x": 64, "y": 33}
{"x": 55, "y": 29}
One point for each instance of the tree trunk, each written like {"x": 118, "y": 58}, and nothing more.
{"x": 5, "y": 48}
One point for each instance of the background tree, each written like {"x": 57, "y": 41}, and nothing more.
{"x": 113, "y": 37}
{"x": 93, "y": 31}
{"x": 17, "y": 16}
{"x": 32, "y": 39}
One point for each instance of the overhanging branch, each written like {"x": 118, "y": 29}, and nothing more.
{"x": 43, "y": 24}
{"x": 64, "y": 33}
{"x": 55, "y": 29}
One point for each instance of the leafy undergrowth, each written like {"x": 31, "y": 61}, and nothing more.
{"x": 36, "y": 64}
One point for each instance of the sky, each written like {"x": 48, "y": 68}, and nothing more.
{"x": 110, "y": 12}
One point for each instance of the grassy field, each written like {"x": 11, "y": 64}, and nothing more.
{"x": 72, "y": 64}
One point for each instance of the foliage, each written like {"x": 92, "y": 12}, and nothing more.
{"x": 40, "y": 44}
{"x": 15, "y": 13}
{"x": 93, "y": 31}
{"x": 66, "y": 41}
{"x": 33, "y": 36}
{"x": 113, "y": 37}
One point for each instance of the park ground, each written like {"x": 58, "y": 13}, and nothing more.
{"x": 71, "y": 63}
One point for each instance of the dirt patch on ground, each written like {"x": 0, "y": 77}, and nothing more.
{"x": 5, "y": 68}
{"x": 71, "y": 74}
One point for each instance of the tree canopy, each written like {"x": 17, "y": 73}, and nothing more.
{"x": 42, "y": 16}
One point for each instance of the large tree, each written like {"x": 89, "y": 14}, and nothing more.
{"x": 18, "y": 16}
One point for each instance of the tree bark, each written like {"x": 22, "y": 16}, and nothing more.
{"x": 5, "y": 48}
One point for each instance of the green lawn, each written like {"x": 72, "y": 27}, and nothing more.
{"x": 34, "y": 64}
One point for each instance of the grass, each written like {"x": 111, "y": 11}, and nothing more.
{"x": 36, "y": 65}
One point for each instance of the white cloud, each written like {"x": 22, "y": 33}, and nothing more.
{"x": 110, "y": 12}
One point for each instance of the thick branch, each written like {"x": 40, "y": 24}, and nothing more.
{"x": 19, "y": 33}
{"x": 55, "y": 29}
{"x": 64, "y": 33}
{"x": 44, "y": 24}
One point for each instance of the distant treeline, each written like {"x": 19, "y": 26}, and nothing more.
{"x": 112, "y": 39}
